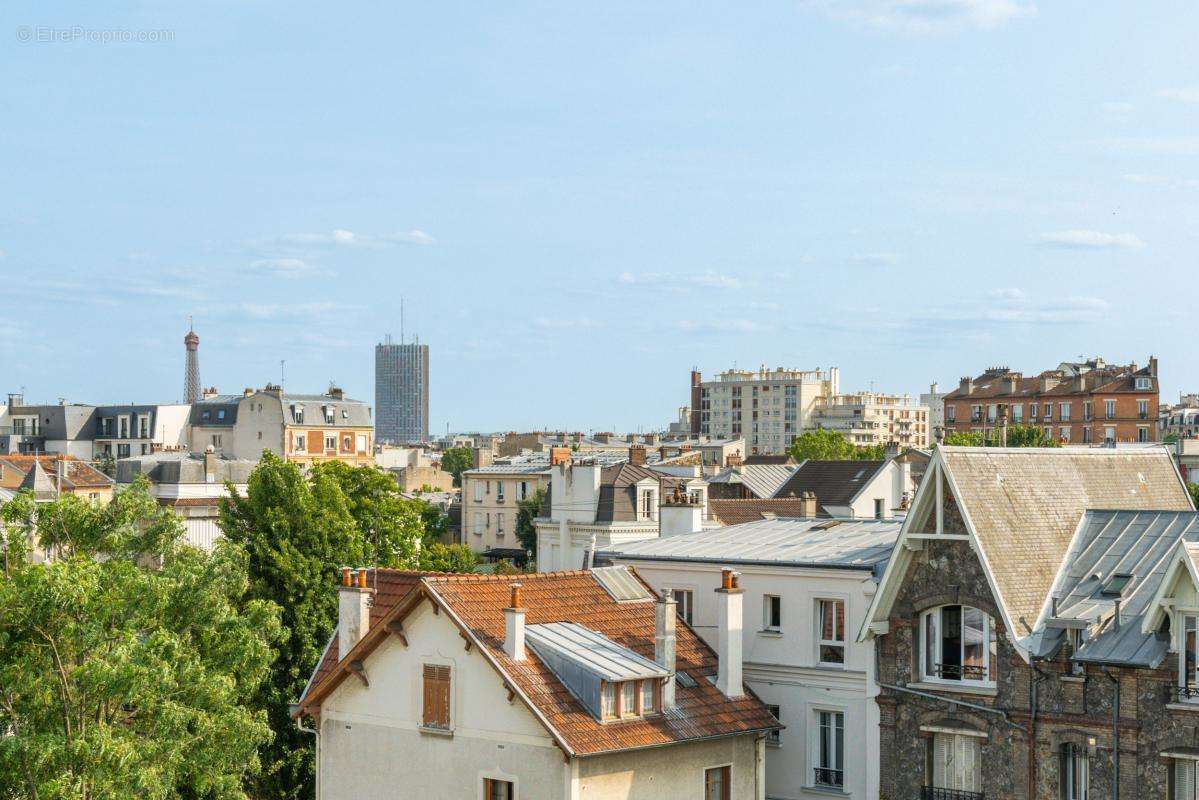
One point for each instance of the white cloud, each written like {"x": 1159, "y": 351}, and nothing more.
{"x": 282, "y": 266}
{"x": 340, "y": 237}
{"x": 1183, "y": 95}
{"x": 1017, "y": 307}
{"x": 1090, "y": 240}
{"x": 414, "y": 236}
{"x": 720, "y": 326}
{"x": 704, "y": 280}
{"x": 926, "y": 16}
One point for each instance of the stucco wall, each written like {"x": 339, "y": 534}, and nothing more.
{"x": 677, "y": 772}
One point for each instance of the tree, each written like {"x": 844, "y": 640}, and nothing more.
{"x": 455, "y": 460}
{"x": 1017, "y": 436}
{"x": 1193, "y": 488}
{"x": 125, "y": 672}
{"x": 297, "y": 531}
{"x": 436, "y": 523}
{"x": 437, "y": 557}
{"x": 826, "y": 445}
{"x": 106, "y": 464}
{"x": 527, "y": 511}
{"x": 391, "y": 523}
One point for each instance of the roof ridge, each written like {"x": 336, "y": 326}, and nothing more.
{"x": 460, "y": 577}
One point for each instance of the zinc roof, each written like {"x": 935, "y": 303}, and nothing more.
{"x": 592, "y": 650}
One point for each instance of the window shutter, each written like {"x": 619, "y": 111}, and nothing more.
{"x": 1184, "y": 779}
{"x": 942, "y": 745}
{"x": 436, "y": 696}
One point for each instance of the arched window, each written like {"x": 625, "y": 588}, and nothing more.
{"x": 958, "y": 645}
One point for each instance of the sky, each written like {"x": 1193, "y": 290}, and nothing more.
{"x": 580, "y": 202}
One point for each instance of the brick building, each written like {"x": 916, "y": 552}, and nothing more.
{"x": 1089, "y": 402}
{"x": 1021, "y": 632}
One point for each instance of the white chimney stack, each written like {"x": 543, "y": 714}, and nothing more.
{"x": 679, "y": 513}
{"x": 514, "y": 627}
{"x": 664, "y": 643}
{"x": 728, "y": 634}
{"x": 353, "y": 610}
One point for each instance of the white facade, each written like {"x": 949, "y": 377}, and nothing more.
{"x": 872, "y": 418}
{"x": 782, "y": 666}
{"x": 934, "y": 401}
{"x": 768, "y": 408}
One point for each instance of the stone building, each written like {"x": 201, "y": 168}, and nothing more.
{"x": 1039, "y": 614}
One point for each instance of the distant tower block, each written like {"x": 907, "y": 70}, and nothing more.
{"x": 191, "y": 381}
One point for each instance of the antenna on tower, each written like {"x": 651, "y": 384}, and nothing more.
{"x": 282, "y": 364}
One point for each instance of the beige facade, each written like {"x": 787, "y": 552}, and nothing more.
{"x": 767, "y": 408}
{"x": 871, "y": 418}
{"x": 489, "y": 502}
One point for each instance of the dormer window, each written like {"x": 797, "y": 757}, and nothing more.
{"x": 646, "y": 504}
{"x": 628, "y": 700}
{"x": 330, "y": 415}
{"x": 297, "y": 413}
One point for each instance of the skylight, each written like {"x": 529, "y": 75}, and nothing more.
{"x": 1116, "y": 583}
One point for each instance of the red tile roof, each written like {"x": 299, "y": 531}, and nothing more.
{"x": 736, "y": 511}
{"x": 477, "y": 602}
{"x": 80, "y": 474}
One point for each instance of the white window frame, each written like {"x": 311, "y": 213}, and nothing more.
{"x": 1076, "y": 778}
{"x": 684, "y": 599}
{"x": 818, "y": 739}
{"x": 928, "y": 674}
{"x": 478, "y": 490}
{"x": 331, "y": 442}
{"x": 499, "y": 491}
{"x": 1188, "y": 679}
{"x": 1109, "y": 409}
{"x": 821, "y": 642}
{"x": 770, "y": 604}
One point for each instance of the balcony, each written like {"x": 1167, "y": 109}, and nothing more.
{"x": 829, "y": 777}
{"x": 937, "y": 793}
{"x": 1188, "y": 694}
{"x": 960, "y": 672}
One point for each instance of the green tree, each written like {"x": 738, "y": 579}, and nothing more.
{"x": 391, "y": 523}
{"x": 826, "y": 445}
{"x": 106, "y": 464}
{"x": 437, "y": 557}
{"x": 297, "y": 531}
{"x": 126, "y": 672}
{"x": 527, "y": 511}
{"x": 1017, "y": 436}
{"x": 436, "y": 522}
{"x": 1193, "y": 488}
{"x": 455, "y": 460}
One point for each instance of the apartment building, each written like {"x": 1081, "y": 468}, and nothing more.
{"x": 767, "y": 408}
{"x": 1035, "y": 629}
{"x": 66, "y": 428}
{"x": 138, "y": 430}
{"x": 490, "y": 495}
{"x": 872, "y": 418}
{"x": 568, "y": 685}
{"x": 402, "y": 392}
{"x": 1088, "y": 402}
{"x": 934, "y": 401}
{"x": 304, "y": 428}
{"x": 808, "y": 585}
{"x": 1180, "y": 420}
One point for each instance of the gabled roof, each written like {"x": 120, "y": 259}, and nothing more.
{"x": 36, "y": 480}
{"x": 18, "y": 470}
{"x": 835, "y": 483}
{"x": 762, "y": 480}
{"x": 475, "y": 603}
{"x": 1022, "y": 507}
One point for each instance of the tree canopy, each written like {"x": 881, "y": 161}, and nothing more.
{"x": 455, "y": 460}
{"x": 128, "y": 663}
{"x": 1017, "y": 436}
{"x": 527, "y": 511}
{"x": 826, "y": 445}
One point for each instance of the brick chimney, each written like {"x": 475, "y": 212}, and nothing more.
{"x": 637, "y": 455}
{"x": 807, "y": 504}
{"x": 559, "y": 455}
{"x": 514, "y": 626}
{"x": 353, "y": 609}
{"x": 966, "y": 385}
{"x": 336, "y": 392}
{"x": 730, "y": 599}
{"x": 665, "y": 617}
{"x": 1012, "y": 382}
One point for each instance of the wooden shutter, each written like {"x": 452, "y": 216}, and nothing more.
{"x": 1184, "y": 779}
{"x": 436, "y": 696}
{"x": 316, "y": 442}
{"x": 942, "y": 760}
{"x": 969, "y": 768}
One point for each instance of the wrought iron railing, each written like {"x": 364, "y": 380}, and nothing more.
{"x": 960, "y": 672}
{"x": 1188, "y": 693}
{"x": 829, "y": 777}
{"x": 937, "y": 793}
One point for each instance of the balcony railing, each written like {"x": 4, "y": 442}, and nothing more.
{"x": 937, "y": 793}
{"x": 960, "y": 672}
{"x": 829, "y": 777}
{"x": 1188, "y": 693}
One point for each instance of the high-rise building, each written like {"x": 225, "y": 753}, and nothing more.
{"x": 768, "y": 408}
{"x": 401, "y": 392}
{"x": 191, "y": 378}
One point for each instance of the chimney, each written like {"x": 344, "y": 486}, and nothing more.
{"x": 966, "y": 386}
{"x": 210, "y": 464}
{"x": 1153, "y": 366}
{"x": 559, "y": 455}
{"x": 210, "y": 393}
{"x": 1048, "y": 382}
{"x": 481, "y": 457}
{"x": 728, "y": 635}
{"x": 630, "y": 438}
{"x": 1080, "y": 382}
{"x": 336, "y": 392}
{"x": 680, "y": 513}
{"x": 734, "y": 459}
{"x": 807, "y": 504}
{"x": 514, "y": 626}
{"x": 603, "y": 438}
{"x": 246, "y": 392}
{"x": 664, "y": 643}
{"x": 353, "y": 609}
{"x": 1012, "y": 382}
{"x": 637, "y": 455}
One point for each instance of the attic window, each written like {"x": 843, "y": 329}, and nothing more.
{"x": 1116, "y": 583}
{"x": 824, "y": 526}
{"x": 858, "y": 477}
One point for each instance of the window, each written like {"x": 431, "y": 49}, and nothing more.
{"x": 1184, "y": 779}
{"x": 959, "y": 645}
{"x": 628, "y": 699}
{"x": 1064, "y": 412}
{"x": 330, "y": 442}
{"x": 1109, "y": 435}
{"x": 216, "y": 440}
{"x": 1086, "y": 435}
{"x": 1142, "y": 434}
{"x": 831, "y": 633}
{"x": 951, "y": 413}
{"x": 880, "y": 508}
{"x": 436, "y": 696}
{"x": 645, "y": 508}
{"x": 300, "y": 442}
{"x": 499, "y": 524}
{"x": 1144, "y": 383}
{"x": 143, "y": 428}
{"x": 1064, "y": 434}
{"x": 1143, "y": 409}
{"x": 956, "y": 762}
{"x": 608, "y": 701}
{"x": 330, "y": 415}
{"x": 1109, "y": 407}
{"x": 522, "y": 490}
{"x": 478, "y": 526}
{"x": 1087, "y": 410}
{"x": 499, "y": 491}
{"x": 220, "y": 413}
{"x": 1017, "y": 414}
{"x": 648, "y": 700}
{"x": 716, "y": 783}
{"x": 1032, "y": 411}
{"x": 772, "y": 738}
{"x": 1076, "y": 773}
{"x": 772, "y": 612}
{"x": 1188, "y": 662}
{"x": 495, "y": 789}
{"x": 992, "y": 412}
{"x": 478, "y": 491}
{"x": 684, "y": 600}
{"x": 297, "y": 413}
{"x": 122, "y": 451}
{"x": 830, "y": 749}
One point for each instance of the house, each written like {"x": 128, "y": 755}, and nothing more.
{"x": 1034, "y": 629}
{"x": 591, "y": 505}
{"x": 809, "y": 583}
{"x": 66, "y": 428}
{"x": 858, "y": 489}
{"x": 874, "y": 418}
{"x": 40, "y": 474}
{"x": 560, "y": 685}
{"x": 1087, "y": 402}
{"x": 749, "y": 481}
{"x": 304, "y": 428}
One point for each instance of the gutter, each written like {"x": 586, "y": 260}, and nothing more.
{"x": 963, "y": 703}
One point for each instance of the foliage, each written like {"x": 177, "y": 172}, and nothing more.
{"x": 826, "y": 445}
{"x": 506, "y": 567}
{"x": 1017, "y": 436}
{"x": 1193, "y": 488}
{"x": 439, "y": 557}
{"x": 528, "y": 510}
{"x": 436, "y": 522}
{"x": 1170, "y": 438}
{"x": 128, "y": 664}
{"x": 455, "y": 460}
{"x": 297, "y": 530}
{"x": 106, "y": 464}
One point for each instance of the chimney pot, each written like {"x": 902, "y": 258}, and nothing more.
{"x": 345, "y": 576}
{"x": 353, "y": 610}
{"x": 362, "y": 578}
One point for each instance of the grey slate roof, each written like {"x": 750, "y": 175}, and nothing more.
{"x": 845, "y": 544}
{"x": 183, "y": 468}
{"x": 835, "y": 483}
{"x": 618, "y": 493}
{"x": 762, "y": 480}
{"x": 207, "y": 412}
{"x": 347, "y": 412}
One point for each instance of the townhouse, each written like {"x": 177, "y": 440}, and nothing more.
{"x": 808, "y": 585}
{"x": 490, "y": 495}
{"x": 562, "y": 685}
{"x": 1034, "y": 629}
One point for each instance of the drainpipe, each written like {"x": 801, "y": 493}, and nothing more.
{"x": 1115, "y": 736}
{"x": 317, "y": 738}
{"x": 1034, "y": 699}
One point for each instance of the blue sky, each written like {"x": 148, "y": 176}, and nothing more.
{"x": 579, "y": 202}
